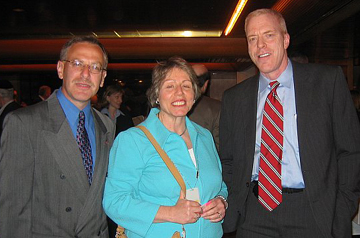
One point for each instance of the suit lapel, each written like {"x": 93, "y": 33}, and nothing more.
{"x": 250, "y": 123}
{"x": 303, "y": 98}
{"x": 61, "y": 142}
{"x": 102, "y": 154}
{"x": 102, "y": 146}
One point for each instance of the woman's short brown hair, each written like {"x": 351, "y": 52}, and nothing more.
{"x": 160, "y": 72}
{"x": 111, "y": 89}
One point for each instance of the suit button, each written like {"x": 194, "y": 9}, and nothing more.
{"x": 68, "y": 209}
{"x": 76, "y": 236}
{"x": 62, "y": 176}
{"x": 247, "y": 184}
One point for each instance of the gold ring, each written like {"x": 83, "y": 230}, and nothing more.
{"x": 219, "y": 214}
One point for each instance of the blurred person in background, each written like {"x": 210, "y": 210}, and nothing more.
{"x": 206, "y": 110}
{"x": 43, "y": 94}
{"x": 111, "y": 104}
{"x": 7, "y": 102}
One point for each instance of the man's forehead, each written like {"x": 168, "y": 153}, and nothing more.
{"x": 83, "y": 50}
{"x": 262, "y": 26}
{"x": 261, "y": 18}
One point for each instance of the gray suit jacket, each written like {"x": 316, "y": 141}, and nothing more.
{"x": 44, "y": 188}
{"x": 206, "y": 113}
{"x": 329, "y": 139}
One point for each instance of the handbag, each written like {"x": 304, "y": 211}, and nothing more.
{"x": 120, "y": 230}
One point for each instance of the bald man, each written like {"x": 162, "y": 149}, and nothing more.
{"x": 206, "y": 111}
{"x": 44, "y": 93}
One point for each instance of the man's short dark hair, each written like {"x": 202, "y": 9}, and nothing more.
{"x": 203, "y": 78}
{"x": 43, "y": 90}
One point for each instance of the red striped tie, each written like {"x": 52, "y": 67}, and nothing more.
{"x": 270, "y": 188}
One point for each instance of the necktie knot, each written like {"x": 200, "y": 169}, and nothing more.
{"x": 274, "y": 85}
{"x": 82, "y": 116}
{"x": 81, "y": 124}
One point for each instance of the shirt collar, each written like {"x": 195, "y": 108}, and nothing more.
{"x": 285, "y": 79}
{"x": 3, "y": 107}
{"x": 105, "y": 111}
{"x": 160, "y": 132}
{"x": 71, "y": 111}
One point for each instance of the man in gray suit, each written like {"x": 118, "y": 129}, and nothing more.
{"x": 206, "y": 111}
{"x": 47, "y": 187}
{"x": 320, "y": 135}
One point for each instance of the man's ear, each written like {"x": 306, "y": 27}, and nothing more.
{"x": 286, "y": 40}
{"x": 60, "y": 69}
{"x": 204, "y": 87}
{"x": 103, "y": 76}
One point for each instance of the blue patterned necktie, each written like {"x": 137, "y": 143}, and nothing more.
{"x": 84, "y": 145}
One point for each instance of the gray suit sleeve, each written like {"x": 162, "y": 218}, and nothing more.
{"x": 16, "y": 178}
{"x": 346, "y": 131}
{"x": 215, "y": 131}
{"x": 232, "y": 216}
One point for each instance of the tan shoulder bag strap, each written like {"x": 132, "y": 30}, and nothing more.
{"x": 120, "y": 231}
{"x": 165, "y": 158}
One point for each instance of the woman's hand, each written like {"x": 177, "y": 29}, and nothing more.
{"x": 214, "y": 210}
{"x": 184, "y": 212}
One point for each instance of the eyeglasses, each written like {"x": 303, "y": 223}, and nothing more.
{"x": 78, "y": 65}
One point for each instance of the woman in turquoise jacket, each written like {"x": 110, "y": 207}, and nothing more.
{"x": 140, "y": 193}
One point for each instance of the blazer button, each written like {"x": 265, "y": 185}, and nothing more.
{"x": 247, "y": 184}
{"x": 62, "y": 176}
{"x": 68, "y": 209}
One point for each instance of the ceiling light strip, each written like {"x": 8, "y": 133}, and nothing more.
{"x": 239, "y": 7}
{"x": 281, "y": 5}
{"x": 117, "y": 34}
{"x": 166, "y": 34}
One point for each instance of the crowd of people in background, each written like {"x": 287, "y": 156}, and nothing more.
{"x": 279, "y": 156}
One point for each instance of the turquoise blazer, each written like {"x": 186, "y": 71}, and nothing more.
{"x": 139, "y": 182}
